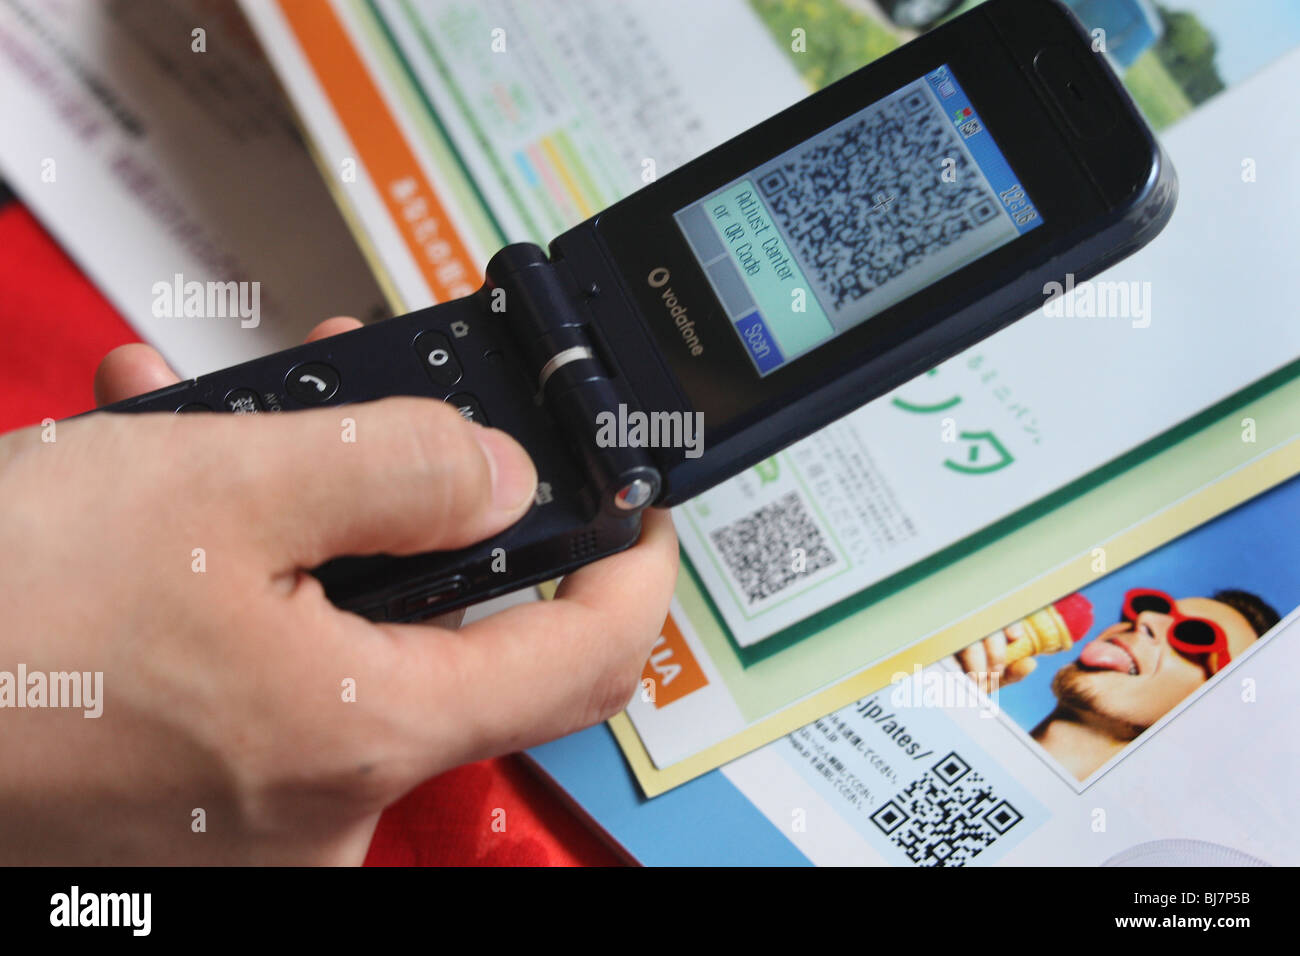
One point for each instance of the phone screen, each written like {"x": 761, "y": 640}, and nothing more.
{"x": 855, "y": 219}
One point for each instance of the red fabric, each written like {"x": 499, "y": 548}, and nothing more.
{"x": 54, "y": 329}
{"x": 493, "y": 813}
{"x": 54, "y": 326}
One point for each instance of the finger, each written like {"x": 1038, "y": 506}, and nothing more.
{"x": 398, "y": 476}
{"x": 414, "y": 476}
{"x": 134, "y": 369}
{"x": 995, "y": 647}
{"x": 1019, "y": 670}
{"x": 131, "y": 370}
{"x": 973, "y": 659}
{"x": 552, "y": 666}
{"x": 335, "y": 326}
{"x": 598, "y": 585}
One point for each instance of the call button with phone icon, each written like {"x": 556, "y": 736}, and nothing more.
{"x": 312, "y": 383}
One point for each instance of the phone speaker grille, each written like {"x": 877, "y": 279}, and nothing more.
{"x": 582, "y": 544}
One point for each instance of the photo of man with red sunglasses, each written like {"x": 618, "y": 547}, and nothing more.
{"x": 1131, "y": 674}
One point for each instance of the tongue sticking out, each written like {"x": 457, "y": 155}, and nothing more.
{"x": 1106, "y": 655}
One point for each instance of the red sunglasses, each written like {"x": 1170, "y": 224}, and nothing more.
{"x": 1196, "y": 638}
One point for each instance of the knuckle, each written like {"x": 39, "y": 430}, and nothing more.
{"x": 438, "y": 437}
{"x": 613, "y": 700}
{"x": 619, "y": 684}
{"x": 446, "y": 455}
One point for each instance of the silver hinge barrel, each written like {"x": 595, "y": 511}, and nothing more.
{"x": 547, "y": 316}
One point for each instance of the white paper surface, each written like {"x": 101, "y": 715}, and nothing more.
{"x": 148, "y": 159}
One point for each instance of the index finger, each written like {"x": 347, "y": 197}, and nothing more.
{"x": 136, "y": 368}
{"x": 540, "y": 670}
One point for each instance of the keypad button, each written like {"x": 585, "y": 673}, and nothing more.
{"x": 312, "y": 383}
{"x": 469, "y": 408}
{"x": 439, "y": 360}
{"x": 242, "y": 401}
{"x": 193, "y": 407}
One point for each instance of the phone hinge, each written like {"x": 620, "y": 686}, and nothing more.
{"x": 541, "y": 306}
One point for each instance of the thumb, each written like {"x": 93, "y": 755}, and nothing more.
{"x": 398, "y": 476}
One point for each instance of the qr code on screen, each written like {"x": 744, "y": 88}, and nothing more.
{"x": 760, "y": 549}
{"x": 946, "y": 817}
{"x": 866, "y": 204}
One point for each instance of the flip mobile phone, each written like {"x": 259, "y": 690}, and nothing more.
{"x": 752, "y": 296}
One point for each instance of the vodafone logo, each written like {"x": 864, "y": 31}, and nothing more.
{"x": 658, "y": 279}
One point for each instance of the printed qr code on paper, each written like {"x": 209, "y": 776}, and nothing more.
{"x": 869, "y": 203}
{"x": 759, "y": 549}
{"x": 947, "y": 816}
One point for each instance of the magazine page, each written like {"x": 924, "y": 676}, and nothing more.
{"x": 1152, "y": 728}
{"x": 453, "y": 127}
{"x": 151, "y": 118}
{"x": 1143, "y": 737}
{"x": 1107, "y": 527}
{"x": 874, "y": 494}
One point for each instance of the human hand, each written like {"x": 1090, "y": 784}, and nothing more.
{"x": 224, "y": 686}
{"x": 985, "y": 662}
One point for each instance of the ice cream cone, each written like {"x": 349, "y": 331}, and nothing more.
{"x": 1050, "y": 629}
